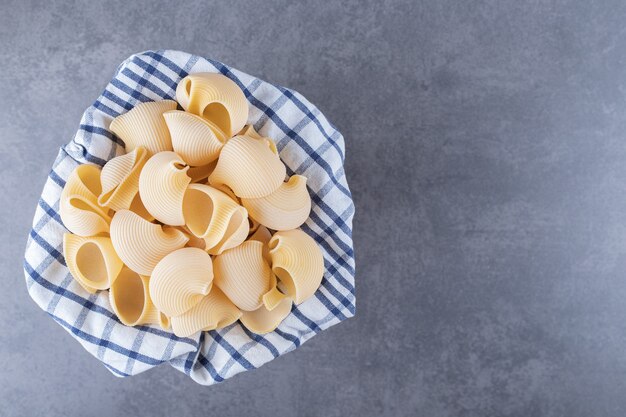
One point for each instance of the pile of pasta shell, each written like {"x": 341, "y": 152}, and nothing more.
{"x": 196, "y": 225}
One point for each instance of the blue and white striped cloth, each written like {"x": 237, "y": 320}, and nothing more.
{"x": 308, "y": 144}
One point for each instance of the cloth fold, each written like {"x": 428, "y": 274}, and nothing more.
{"x": 308, "y": 144}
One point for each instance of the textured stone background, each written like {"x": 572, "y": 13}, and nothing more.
{"x": 486, "y": 155}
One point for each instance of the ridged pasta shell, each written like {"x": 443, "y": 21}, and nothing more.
{"x": 137, "y": 207}
{"x": 79, "y": 209}
{"x": 141, "y": 244}
{"x": 243, "y": 274}
{"x": 180, "y": 280}
{"x": 92, "y": 261}
{"x": 216, "y": 98}
{"x": 250, "y": 132}
{"x": 249, "y": 168}
{"x": 145, "y": 126}
{"x": 215, "y": 217}
{"x": 262, "y": 320}
{"x": 195, "y": 139}
{"x": 214, "y": 311}
{"x": 162, "y": 185}
{"x": 201, "y": 173}
{"x": 285, "y": 209}
{"x": 130, "y": 299}
{"x": 263, "y": 235}
{"x": 298, "y": 263}
{"x": 274, "y": 296}
{"x": 120, "y": 179}
{"x": 194, "y": 241}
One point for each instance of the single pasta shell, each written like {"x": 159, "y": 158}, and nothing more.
{"x": 130, "y": 299}
{"x": 274, "y": 296}
{"x": 92, "y": 261}
{"x": 201, "y": 173}
{"x": 212, "y": 215}
{"x": 216, "y": 98}
{"x": 249, "y": 168}
{"x": 243, "y": 274}
{"x": 214, "y": 311}
{"x": 120, "y": 179}
{"x": 141, "y": 244}
{"x": 286, "y": 208}
{"x": 180, "y": 280}
{"x": 298, "y": 263}
{"x": 145, "y": 126}
{"x": 195, "y": 139}
{"x": 262, "y": 320}
{"x": 79, "y": 209}
{"x": 264, "y": 236}
{"x": 162, "y": 185}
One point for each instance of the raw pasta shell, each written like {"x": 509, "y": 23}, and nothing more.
{"x": 274, "y": 296}
{"x": 263, "y": 235}
{"x": 120, "y": 179}
{"x": 249, "y": 168}
{"x": 214, "y": 311}
{"x": 137, "y": 207}
{"x": 262, "y": 320}
{"x": 78, "y": 208}
{"x": 195, "y": 139}
{"x": 92, "y": 261}
{"x": 194, "y": 241}
{"x": 130, "y": 299}
{"x": 243, "y": 274}
{"x": 141, "y": 244}
{"x": 180, "y": 280}
{"x": 145, "y": 126}
{"x": 162, "y": 185}
{"x": 216, "y": 98}
{"x": 215, "y": 217}
{"x": 285, "y": 209}
{"x": 298, "y": 263}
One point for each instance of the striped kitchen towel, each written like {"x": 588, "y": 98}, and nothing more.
{"x": 308, "y": 144}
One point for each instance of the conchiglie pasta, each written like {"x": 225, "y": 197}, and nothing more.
{"x": 243, "y": 274}
{"x": 79, "y": 209}
{"x": 216, "y": 98}
{"x": 145, "y": 126}
{"x": 130, "y": 299}
{"x": 214, "y": 311}
{"x": 201, "y": 173}
{"x": 137, "y": 207}
{"x": 262, "y": 320}
{"x": 215, "y": 217}
{"x": 298, "y": 263}
{"x": 195, "y": 139}
{"x": 92, "y": 261}
{"x": 285, "y": 209}
{"x": 250, "y": 132}
{"x": 162, "y": 185}
{"x": 263, "y": 235}
{"x": 141, "y": 244}
{"x": 180, "y": 280}
{"x": 249, "y": 168}
{"x": 274, "y": 296}
{"x": 120, "y": 179}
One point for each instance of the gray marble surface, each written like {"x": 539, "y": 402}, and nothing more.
{"x": 486, "y": 153}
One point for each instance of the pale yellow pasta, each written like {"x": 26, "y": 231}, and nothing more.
{"x": 92, "y": 261}
{"x": 298, "y": 263}
{"x": 215, "y": 217}
{"x": 250, "y": 132}
{"x": 201, "y": 173}
{"x": 262, "y": 320}
{"x": 285, "y": 209}
{"x": 243, "y": 274}
{"x": 263, "y": 235}
{"x": 216, "y": 98}
{"x": 194, "y": 241}
{"x": 180, "y": 280}
{"x": 79, "y": 209}
{"x": 226, "y": 190}
{"x": 141, "y": 244}
{"x": 137, "y": 207}
{"x": 214, "y": 311}
{"x": 195, "y": 139}
{"x": 274, "y": 296}
{"x": 120, "y": 179}
{"x": 130, "y": 299}
{"x": 145, "y": 126}
{"x": 162, "y": 185}
{"x": 249, "y": 168}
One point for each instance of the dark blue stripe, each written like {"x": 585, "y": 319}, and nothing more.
{"x": 209, "y": 367}
{"x": 293, "y": 339}
{"x": 262, "y": 341}
{"x": 55, "y": 177}
{"x": 144, "y": 82}
{"x": 104, "y": 108}
{"x": 171, "y": 65}
{"x": 152, "y": 70}
{"x": 137, "y": 95}
{"x": 102, "y": 132}
{"x": 304, "y": 319}
{"x": 47, "y": 246}
{"x": 50, "y": 211}
{"x": 234, "y": 353}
